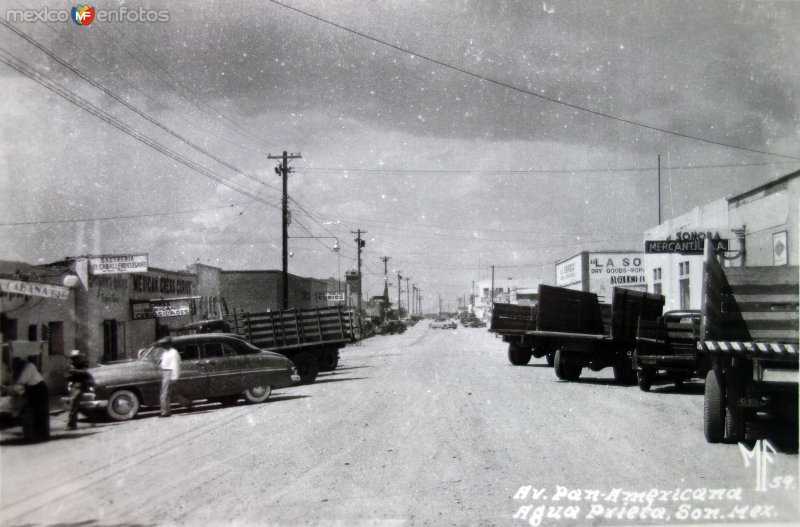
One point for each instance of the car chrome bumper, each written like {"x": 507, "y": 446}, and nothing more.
{"x": 295, "y": 378}
{"x": 89, "y": 402}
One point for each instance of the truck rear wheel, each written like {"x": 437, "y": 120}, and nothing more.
{"x": 329, "y": 360}
{"x": 714, "y": 409}
{"x": 623, "y": 371}
{"x": 307, "y": 366}
{"x": 644, "y": 379}
{"x": 565, "y": 370}
{"x": 517, "y": 355}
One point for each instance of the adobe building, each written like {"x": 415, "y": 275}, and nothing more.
{"x": 758, "y": 227}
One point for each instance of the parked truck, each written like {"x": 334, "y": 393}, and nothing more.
{"x": 749, "y": 330}
{"x": 310, "y": 338}
{"x": 666, "y": 349}
{"x": 577, "y": 330}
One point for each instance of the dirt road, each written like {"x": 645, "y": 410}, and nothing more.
{"x": 432, "y": 427}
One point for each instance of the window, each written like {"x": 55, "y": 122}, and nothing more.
{"x": 55, "y": 337}
{"x": 657, "y": 289}
{"x": 218, "y": 349}
{"x": 657, "y": 274}
{"x": 684, "y": 292}
{"x": 110, "y": 344}
{"x": 683, "y": 268}
{"x": 189, "y": 352}
{"x": 33, "y": 332}
{"x": 8, "y": 327}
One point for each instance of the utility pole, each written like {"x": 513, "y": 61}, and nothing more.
{"x": 399, "y": 281}
{"x": 385, "y": 260}
{"x": 419, "y": 301}
{"x": 359, "y": 244}
{"x": 408, "y": 298}
{"x": 413, "y": 303}
{"x": 472, "y": 298}
{"x": 491, "y": 293}
{"x": 440, "y": 305}
{"x": 283, "y": 170}
{"x": 659, "y": 189}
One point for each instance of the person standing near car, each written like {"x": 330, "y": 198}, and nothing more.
{"x": 79, "y": 383}
{"x": 170, "y": 372}
{"x": 30, "y": 383}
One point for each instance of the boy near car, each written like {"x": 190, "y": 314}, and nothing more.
{"x": 170, "y": 372}
{"x": 79, "y": 381}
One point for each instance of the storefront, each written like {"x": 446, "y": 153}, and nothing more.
{"x": 756, "y": 228}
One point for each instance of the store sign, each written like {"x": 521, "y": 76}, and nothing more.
{"x": 610, "y": 270}
{"x": 116, "y": 264}
{"x": 692, "y": 246}
{"x": 569, "y": 272}
{"x": 174, "y": 308}
{"x": 331, "y": 296}
{"x": 20, "y": 287}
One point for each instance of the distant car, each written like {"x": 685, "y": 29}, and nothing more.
{"x": 475, "y": 323}
{"x": 390, "y": 327}
{"x": 214, "y": 366}
{"x": 443, "y": 323}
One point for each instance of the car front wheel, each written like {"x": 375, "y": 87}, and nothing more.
{"x": 123, "y": 405}
{"x": 258, "y": 394}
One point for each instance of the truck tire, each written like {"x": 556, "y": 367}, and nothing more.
{"x": 644, "y": 380}
{"x": 735, "y": 417}
{"x": 714, "y": 409}
{"x": 623, "y": 371}
{"x": 307, "y": 366}
{"x": 517, "y": 355}
{"x": 329, "y": 360}
{"x": 565, "y": 370}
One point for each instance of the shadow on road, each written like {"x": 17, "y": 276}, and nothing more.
{"x": 352, "y": 368}
{"x": 686, "y": 389}
{"x": 339, "y": 379}
{"x": 95, "y": 523}
{"x": 20, "y": 441}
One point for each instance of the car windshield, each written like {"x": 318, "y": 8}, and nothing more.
{"x": 151, "y": 353}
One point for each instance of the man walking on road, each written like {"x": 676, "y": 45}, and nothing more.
{"x": 170, "y": 371}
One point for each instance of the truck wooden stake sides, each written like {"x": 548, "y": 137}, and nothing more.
{"x": 576, "y": 330}
{"x": 749, "y": 330}
{"x": 310, "y": 338}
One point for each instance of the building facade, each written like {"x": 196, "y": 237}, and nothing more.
{"x": 759, "y": 228}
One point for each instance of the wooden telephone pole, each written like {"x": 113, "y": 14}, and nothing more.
{"x": 283, "y": 170}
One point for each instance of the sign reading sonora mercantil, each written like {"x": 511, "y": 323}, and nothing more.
{"x": 118, "y": 263}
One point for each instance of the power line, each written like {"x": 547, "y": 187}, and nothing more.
{"x": 234, "y": 125}
{"x": 540, "y": 171}
{"x": 131, "y": 107}
{"x": 82, "y": 103}
{"x": 126, "y": 217}
{"x": 525, "y": 91}
{"x": 82, "y": 50}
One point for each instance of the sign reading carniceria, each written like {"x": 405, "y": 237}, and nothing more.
{"x": 118, "y": 263}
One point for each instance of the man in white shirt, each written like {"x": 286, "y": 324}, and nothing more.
{"x": 170, "y": 371}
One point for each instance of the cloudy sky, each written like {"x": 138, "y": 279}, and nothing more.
{"x": 458, "y": 134}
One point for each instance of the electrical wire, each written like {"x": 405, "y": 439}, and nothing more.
{"x": 526, "y": 91}
{"x": 82, "y": 103}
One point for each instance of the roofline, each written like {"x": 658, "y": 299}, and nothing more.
{"x": 759, "y": 188}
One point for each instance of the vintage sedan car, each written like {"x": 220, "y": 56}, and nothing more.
{"x": 444, "y": 323}
{"x": 214, "y": 366}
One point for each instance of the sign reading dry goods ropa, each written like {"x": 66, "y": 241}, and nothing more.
{"x": 118, "y": 263}
{"x": 34, "y": 289}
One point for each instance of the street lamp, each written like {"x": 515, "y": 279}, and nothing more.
{"x": 335, "y": 249}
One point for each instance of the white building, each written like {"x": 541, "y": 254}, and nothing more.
{"x": 760, "y": 227}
